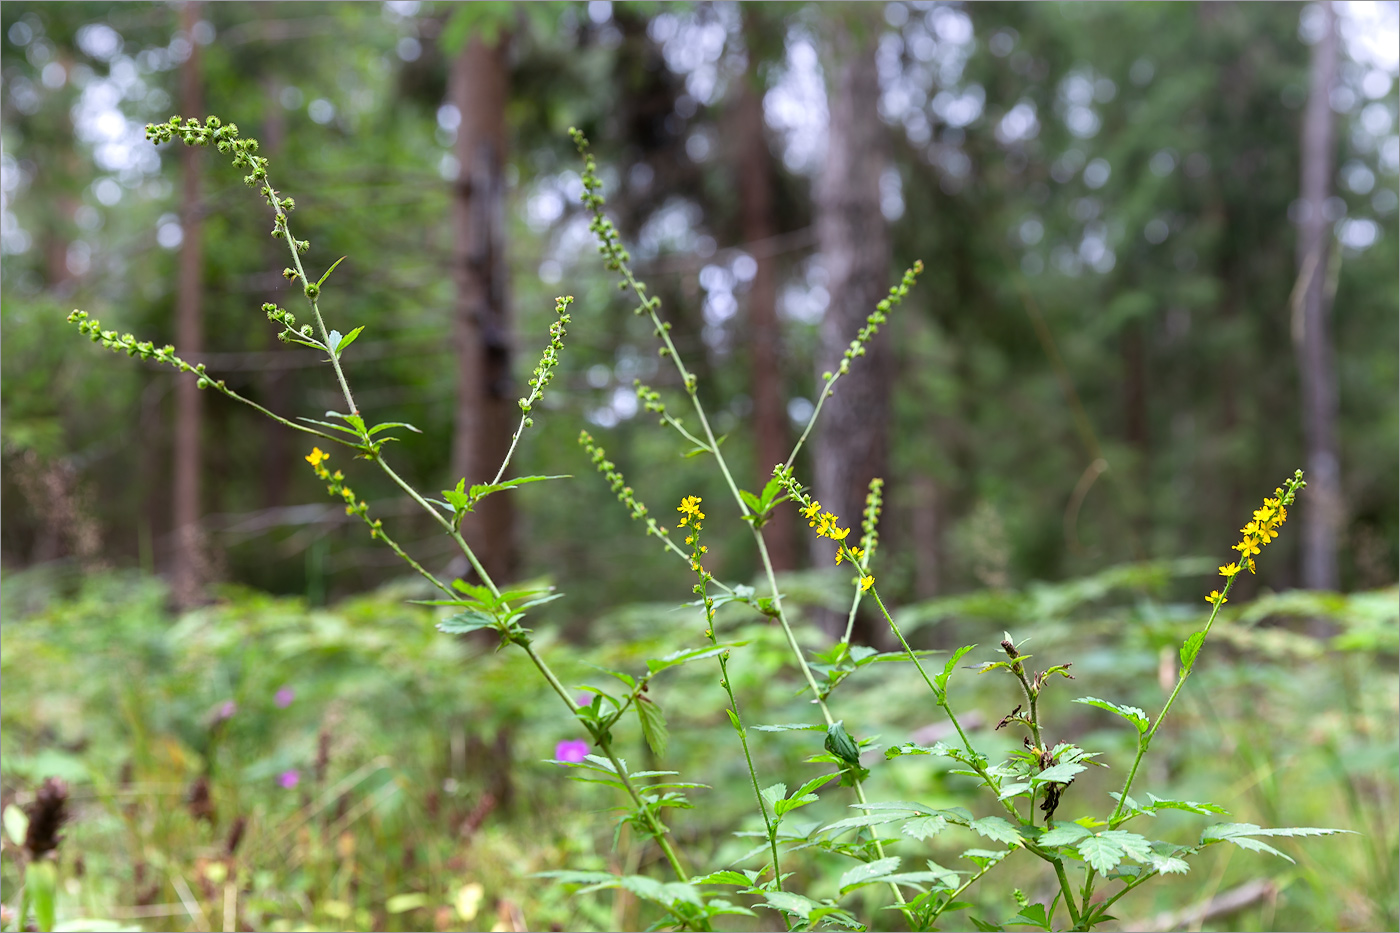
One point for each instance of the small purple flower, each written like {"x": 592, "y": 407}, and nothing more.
{"x": 284, "y": 697}
{"x": 571, "y": 750}
{"x": 584, "y": 699}
{"x": 226, "y": 711}
{"x": 289, "y": 779}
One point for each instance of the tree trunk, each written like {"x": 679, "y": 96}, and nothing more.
{"x": 187, "y": 566}
{"x": 485, "y": 403}
{"x": 755, "y": 169}
{"x": 1322, "y": 506}
{"x": 853, "y": 439}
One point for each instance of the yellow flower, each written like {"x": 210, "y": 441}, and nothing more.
{"x": 811, "y": 512}
{"x": 690, "y": 507}
{"x": 1249, "y": 545}
{"x": 1229, "y": 570}
{"x": 855, "y": 550}
{"x": 316, "y": 456}
{"x": 866, "y": 582}
{"x": 1215, "y": 597}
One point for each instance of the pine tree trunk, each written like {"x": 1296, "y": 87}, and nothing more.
{"x": 485, "y": 402}
{"x": 1321, "y": 507}
{"x": 853, "y": 437}
{"x": 755, "y": 169}
{"x": 188, "y": 565}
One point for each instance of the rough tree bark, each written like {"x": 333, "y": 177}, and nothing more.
{"x": 754, "y": 164}
{"x": 188, "y": 565}
{"x": 853, "y": 437}
{"x": 485, "y": 403}
{"x": 1321, "y": 508}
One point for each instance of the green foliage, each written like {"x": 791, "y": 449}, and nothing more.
{"x": 850, "y": 853}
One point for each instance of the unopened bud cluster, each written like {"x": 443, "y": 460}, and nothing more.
{"x": 544, "y": 371}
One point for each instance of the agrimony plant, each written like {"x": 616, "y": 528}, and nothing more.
{"x": 1024, "y": 793}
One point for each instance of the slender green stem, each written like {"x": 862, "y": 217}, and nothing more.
{"x": 393, "y": 546}
{"x": 413, "y": 494}
{"x": 653, "y": 827}
{"x": 812, "y": 419}
{"x": 753, "y": 771}
{"x": 1066, "y": 890}
{"x": 953, "y": 896}
{"x": 315, "y": 306}
{"x": 855, "y": 604}
{"x": 514, "y": 439}
{"x": 219, "y": 386}
{"x": 1145, "y": 741}
{"x": 941, "y": 698}
{"x": 476, "y": 564}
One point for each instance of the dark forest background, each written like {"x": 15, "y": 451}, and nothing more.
{"x": 1160, "y": 250}
{"x": 1099, "y": 365}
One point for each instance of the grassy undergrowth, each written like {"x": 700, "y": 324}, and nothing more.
{"x": 288, "y": 767}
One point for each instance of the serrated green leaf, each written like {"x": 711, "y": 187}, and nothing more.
{"x": 1192, "y": 806}
{"x": 392, "y": 424}
{"x": 982, "y": 925}
{"x": 1135, "y": 847}
{"x": 653, "y": 725}
{"x": 902, "y": 805}
{"x": 468, "y": 620}
{"x": 1131, "y": 713}
{"x": 725, "y": 876}
{"x": 1031, "y": 915}
{"x": 789, "y": 902}
{"x": 789, "y": 727}
{"x": 1061, "y": 773}
{"x": 853, "y": 822}
{"x": 675, "y": 659}
{"x": 1168, "y": 865}
{"x": 923, "y": 827}
{"x": 773, "y": 793}
{"x": 1103, "y": 855}
{"x": 1190, "y": 648}
{"x": 1013, "y": 790}
{"x": 783, "y": 807}
{"x": 479, "y": 492}
{"x": 996, "y": 829}
{"x": 1063, "y": 834}
{"x": 942, "y": 679}
{"x": 866, "y": 873}
{"x": 1254, "y": 845}
{"x": 815, "y": 784}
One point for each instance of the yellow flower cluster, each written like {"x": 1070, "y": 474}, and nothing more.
{"x": 336, "y": 487}
{"x": 858, "y": 552}
{"x": 1261, "y": 530}
{"x": 690, "y": 509}
{"x": 826, "y": 524}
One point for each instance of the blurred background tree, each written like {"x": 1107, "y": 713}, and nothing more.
{"x": 1116, "y": 205}
{"x": 1097, "y": 367}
